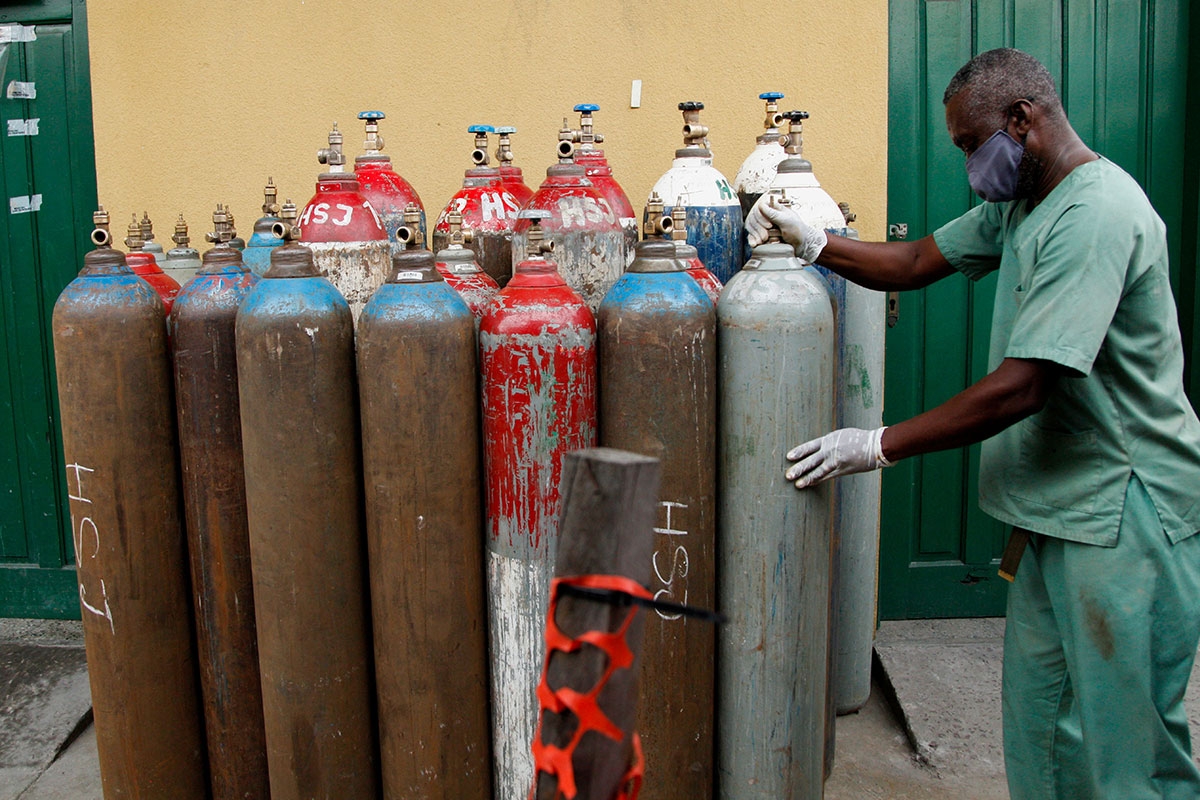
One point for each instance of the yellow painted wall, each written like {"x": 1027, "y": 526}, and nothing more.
{"x": 198, "y": 103}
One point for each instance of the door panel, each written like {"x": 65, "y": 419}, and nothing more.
{"x": 1121, "y": 68}
{"x": 39, "y": 254}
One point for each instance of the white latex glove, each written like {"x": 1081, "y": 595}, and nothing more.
{"x": 808, "y": 241}
{"x": 843, "y": 452}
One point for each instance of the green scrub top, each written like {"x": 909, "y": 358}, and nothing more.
{"x": 1083, "y": 282}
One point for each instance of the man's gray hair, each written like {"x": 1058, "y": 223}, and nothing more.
{"x": 998, "y": 78}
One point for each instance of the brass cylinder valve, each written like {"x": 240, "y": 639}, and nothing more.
{"x": 222, "y": 232}
{"x": 147, "y": 228}
{"x": 679, "y": 221}
{"x": 479, "y": 156}
{"x": 286, "y": 228}
{"x": 333, "y": 155}
{"x": 270, "y": 207}
{"x": 133, "y": 237}
{"x": 180, "y": 237}
{"x": 504, "y": 143}
{"x": 374, "y": 142}
{"x": 536, "y": 246}
{"x": 458, "y": 235}
{"x": 100, "y": 235}
{"x": 586, "y": 136}
{"x": 566, "y": 143}
{"x": 694, "y": 133}
{"x": 409, "y": 233}
{"x": 656, "y": 223}
{"x": 795, "y": 142}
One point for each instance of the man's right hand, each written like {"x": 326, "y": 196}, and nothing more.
{"x": 808, "y": 241}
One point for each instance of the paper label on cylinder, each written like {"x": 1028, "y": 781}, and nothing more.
{"x": 22, "y": 90}
{"x": 17, "y": 33}
{"x": 409, "y": 276}
{"x": 23, "y": 127}
{"x": 24, "y": 204}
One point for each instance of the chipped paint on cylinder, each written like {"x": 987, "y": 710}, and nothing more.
{"x": 714, "y": 216}
{"x": 119, "y": 441}
{"x": 420, "y": 428}
{"x": 461, "y": 273}
{"x": 657, "y": 337}
{"x": 299, "y": 414}
{"x": 356, "y": 269}
{"x": 700, "y": 273}
{"x": 257, "y": 255}
{"x": 776, "y": 378}
{"x": 589, "y": 242}
{"x": 146, "y": 267}
{"x": 538, "y": 363}
{"x": 598, "y": 171}
{"x": 181, "y": 264}
{"x": 214, "y": 494}
{"x": 489, "y": 212}
{"x": 389, "y": 194}
{"x": 514, "y": 183}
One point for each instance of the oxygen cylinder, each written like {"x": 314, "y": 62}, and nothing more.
{"x": 589, "y": 243}
{"x": 658, "y": 395}
{"x": 458, "y": 268}
{"x": 537, "y": 345}
{"x": 183, "y": 261}
{"x": 592, "y": 159}
{"x": 148, "y": 244}
{"x": 146, "y": 267}
{"x": 714, "y": 217}
{"x": 299, "y": 414}
{"x": 861, "y": 314}
{"x": 776, "y": 345}
{"x": 118, "y": 428}
{"x": 348, "y": 242}
{"x": 387, "y": 192}
{"x": 510, "y": 174}
{"x": 687, "y": 254}
{"x": 488, "y": 212}
{"x": 420, "y": 425}
{"x": 758, "y": 170}
{"x": 257, "y": 254}
{"x": 214, "y": 501}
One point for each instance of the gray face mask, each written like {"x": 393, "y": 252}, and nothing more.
{"x": 993, "y": 169}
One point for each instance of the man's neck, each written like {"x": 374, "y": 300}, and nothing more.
{"x": 1070, "y": 153}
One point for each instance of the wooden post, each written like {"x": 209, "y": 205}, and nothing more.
{"x": 609, "y": 500}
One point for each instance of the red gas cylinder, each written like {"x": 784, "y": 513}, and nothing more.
{"x": 459, "y": 269}
{"x": 488, "y": 211}
{"x": 146, "y": 267}
{"x": 387, "y": 192}
{"x": 592, "y": 159}
{"x": 348, "y": 240}
{"x": 510, "y": 174}
{"x": 687, "y": 253}
{"x": 589, "y": 244}
{"x": 537, "y": 345}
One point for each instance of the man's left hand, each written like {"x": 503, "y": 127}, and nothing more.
{"x": 842, "y": 452}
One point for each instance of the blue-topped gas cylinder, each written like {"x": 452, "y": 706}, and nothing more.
{"x": 758, "y": 170}
{"x": 257, "y": 255}
{"x": 714, "y": 215}
{"x": 592, "y": 159}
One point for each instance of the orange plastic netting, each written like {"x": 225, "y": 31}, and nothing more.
{"x": 557, "y": 761}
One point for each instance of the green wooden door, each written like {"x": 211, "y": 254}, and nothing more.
{"x": 49, "y": 184}
{"x": 1121, "y": 67}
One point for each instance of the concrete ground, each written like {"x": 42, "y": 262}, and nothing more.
{"x": 930, "y": 731}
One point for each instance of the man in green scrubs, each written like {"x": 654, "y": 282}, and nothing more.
{"x": 1092, "y": 450}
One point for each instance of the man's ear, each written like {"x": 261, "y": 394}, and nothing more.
{"x": 1021, "y": 116}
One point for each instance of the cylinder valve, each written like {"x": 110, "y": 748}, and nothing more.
{"x": 180, "y": 237}
{"x": 504, "y": 143}
{"x": 479, "y": 156}
{"x": 100, "y": 235}
{"x": 270, "y": 195}
{"x": 147, "y": 228}
{"x": 656, "y": 223}
{"x": 133, "y": 236}
{"x": 679, "y": 221}
{"x": 409, "y": 233}
{"x": 795, "y": 143}
{"x": 333, "y": 155}
{"x": 458, "y": 236}
{"x": 694, "y": 134}
{"x": 536, "y": 245}
{"x": 374, "y": 142}
{"x": 286, "y": 228}
{"x": 774, "y": 118}
{"x": 222, "y": 232}
{"x": 586, "y": 135}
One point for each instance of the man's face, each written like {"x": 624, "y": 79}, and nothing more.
{"x": 970, "y": 131}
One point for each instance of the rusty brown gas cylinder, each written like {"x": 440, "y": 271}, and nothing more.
{"x": 118, "y": 425}
{"x": 214, "y": 499}
{"x": 657, "y": 334}
{"x": 420, "y": 430}
{"x": 295, "y": 352}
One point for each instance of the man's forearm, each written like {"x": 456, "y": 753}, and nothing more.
{"x": 886, "y": 266}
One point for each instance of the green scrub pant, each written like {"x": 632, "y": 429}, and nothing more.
{"x": 1098, "y": 649}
